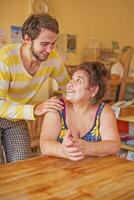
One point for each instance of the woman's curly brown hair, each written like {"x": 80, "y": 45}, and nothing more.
{"x": 97, "y": 74}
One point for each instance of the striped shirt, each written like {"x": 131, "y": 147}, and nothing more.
{"x": 18, "y": 87}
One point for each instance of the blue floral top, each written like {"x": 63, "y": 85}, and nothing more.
{"x": 93, "y": 135}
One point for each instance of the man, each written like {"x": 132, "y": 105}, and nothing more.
{"x": 23, "y": 69}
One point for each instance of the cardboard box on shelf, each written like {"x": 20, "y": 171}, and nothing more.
{"x": 123, "y": 108}
{"x": 127, "y": 111}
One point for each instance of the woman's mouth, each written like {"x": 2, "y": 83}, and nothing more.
{"x": 70, "y": 91}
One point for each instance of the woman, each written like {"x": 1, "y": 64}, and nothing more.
{"x": 86, "y": 127}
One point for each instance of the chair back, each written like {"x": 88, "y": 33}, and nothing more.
{"x": 126, "y": 63}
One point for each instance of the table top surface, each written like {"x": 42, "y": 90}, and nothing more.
{"x": 52, "y": 178}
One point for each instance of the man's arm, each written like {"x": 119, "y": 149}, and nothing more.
{"x": 116, "y": 73}
{"x": 10, "y": 110}
{"x": 16, "y": 111}
{"x": 13, "y": 110}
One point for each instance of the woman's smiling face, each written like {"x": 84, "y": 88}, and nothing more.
{"x": 78, "y": 87}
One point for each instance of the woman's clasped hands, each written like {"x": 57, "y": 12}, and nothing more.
{"x": 74, "y": 148}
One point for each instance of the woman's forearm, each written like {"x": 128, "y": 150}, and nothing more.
{"x": 102, "y": 148}
{"x": 52, "y": 148}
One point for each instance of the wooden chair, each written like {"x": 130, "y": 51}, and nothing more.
{"x": 125, "y": 79}
{"x": 34, "y": 130}
{"x": 116, "y": 88}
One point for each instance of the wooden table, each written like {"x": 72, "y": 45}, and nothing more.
{"x": 52, "y": 178}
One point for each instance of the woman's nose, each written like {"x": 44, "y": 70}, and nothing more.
{"x": 71, "y": 82}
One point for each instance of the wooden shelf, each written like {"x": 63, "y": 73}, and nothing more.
{"x": 127, "y": 118}
{"x": 127, "y": 147}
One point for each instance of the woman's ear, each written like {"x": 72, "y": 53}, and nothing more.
{"x": 94, "y": 90}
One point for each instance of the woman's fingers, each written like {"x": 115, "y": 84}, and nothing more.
{"x": 72, "y": 151}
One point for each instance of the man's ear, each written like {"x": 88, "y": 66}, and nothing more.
{"x": 94, "y": 90}
{"x": 27, "y": 39}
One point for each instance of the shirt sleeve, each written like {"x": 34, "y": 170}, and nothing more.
{"x": 117, "y": 69}
{"x": 60, "y": 74}
{"x": 10, "y": 110}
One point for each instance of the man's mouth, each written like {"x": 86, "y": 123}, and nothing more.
{"x": 45, "y": 54}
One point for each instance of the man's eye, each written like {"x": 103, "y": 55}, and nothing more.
{"x": 53, "y": 45}
{"x": 44, "y": 44}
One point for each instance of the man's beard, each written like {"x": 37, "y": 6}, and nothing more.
{"x": 36, "y": 55}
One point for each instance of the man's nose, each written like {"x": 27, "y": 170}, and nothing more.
{"x": 49, "y": 48}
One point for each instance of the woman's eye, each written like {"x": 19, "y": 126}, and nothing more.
{"x": 79, "y": 80}
{"x": 76, "y": 80}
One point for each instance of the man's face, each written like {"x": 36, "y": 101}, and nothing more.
{"x": 43, "y": 44}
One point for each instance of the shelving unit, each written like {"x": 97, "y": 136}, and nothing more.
{"x": 125, "y": 147}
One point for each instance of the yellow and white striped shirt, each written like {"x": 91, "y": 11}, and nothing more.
{"x": 18, "y": 87}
